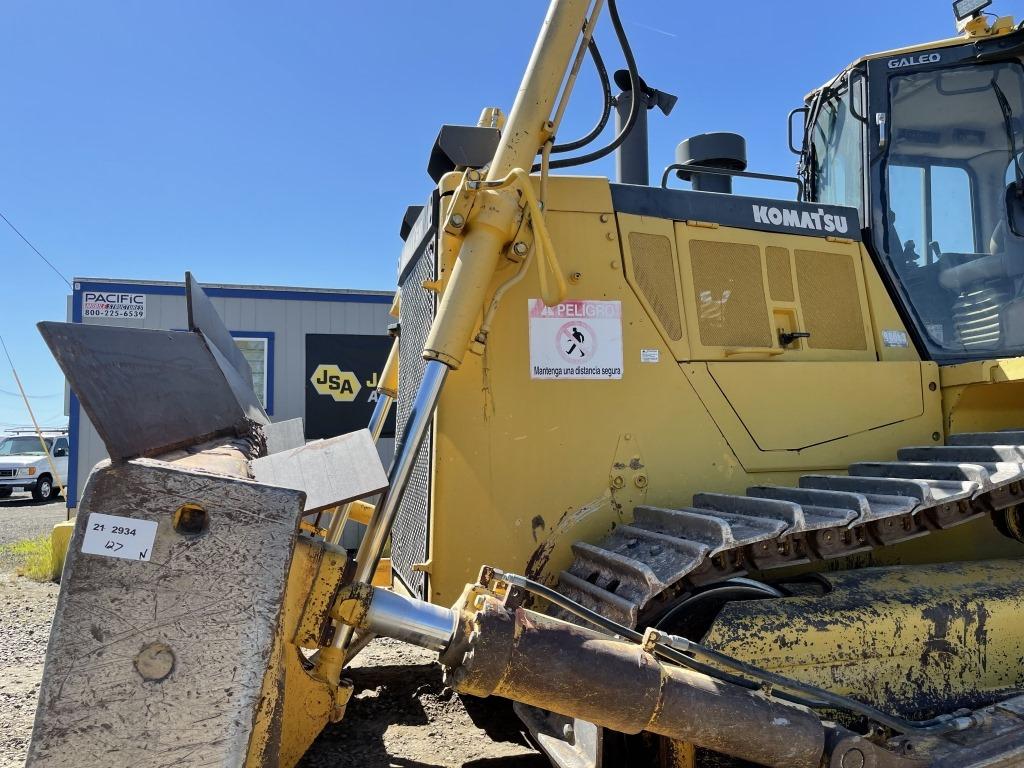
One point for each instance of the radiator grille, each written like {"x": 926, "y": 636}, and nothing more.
{"x": 8, "y": 472}
{"x": 830, "y": 301}
{"x": 409, "y": 538}
{"x": 656, "y": 278}
{"x": 780, "y": 275}
{"x": 729, "y": 291}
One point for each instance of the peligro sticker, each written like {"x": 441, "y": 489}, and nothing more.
{"x": 575, "y": 340}
{"x": 114, "y": 536}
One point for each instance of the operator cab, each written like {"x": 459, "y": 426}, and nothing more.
{"x": 927, "y": 145}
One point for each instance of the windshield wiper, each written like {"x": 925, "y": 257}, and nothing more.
{"x": 1004, "y": 106}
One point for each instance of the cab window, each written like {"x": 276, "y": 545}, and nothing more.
{"x": 942, "y": 222}
{"x": 931, "y": 210}
{"x": 837, "y": 149}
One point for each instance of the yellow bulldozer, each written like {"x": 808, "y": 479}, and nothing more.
{"x": 731, "y": 479}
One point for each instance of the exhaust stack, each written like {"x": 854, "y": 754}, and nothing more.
{"x": 631, "y": 158}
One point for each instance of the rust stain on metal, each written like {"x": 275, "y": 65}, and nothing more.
{"x": 352, "y": 603}
{"x": 524, "y": 620}
{"x": 537, "y": 524}
{"x": 570, "y": 519}
{"x": 325, "y": 570}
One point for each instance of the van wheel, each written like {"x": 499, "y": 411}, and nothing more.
{"x": 5, "y": 492}
{"x": 44, "y": 489}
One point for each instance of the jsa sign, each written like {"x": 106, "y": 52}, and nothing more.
{"x": 342, "y": 373}
{"x": 341, "y": 385}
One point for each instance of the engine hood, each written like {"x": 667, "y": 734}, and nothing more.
{"x": 6, "y": 462}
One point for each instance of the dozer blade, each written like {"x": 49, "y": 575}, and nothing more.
{"x": 313, "y": 469}
{"x": 146, "y": 392}
{"x": 190, "y": 588}
{"x": 203, "y": 318}
{"x": 161, "y": 659}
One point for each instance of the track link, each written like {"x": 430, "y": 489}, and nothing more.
{"x": 827, "y": 516}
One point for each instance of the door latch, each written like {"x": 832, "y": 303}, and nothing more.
{"x": 788, "y": 337}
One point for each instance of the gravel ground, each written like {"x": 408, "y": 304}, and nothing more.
{"x": 26, "y": 610}
{"x": 401, "y": 715}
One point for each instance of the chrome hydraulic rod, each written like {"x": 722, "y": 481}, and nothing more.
{"x": 379, "y": 416}
{"x": 383, "y": 518}
{"x": 413, "y": 621}
{"x": 487, "y": 234}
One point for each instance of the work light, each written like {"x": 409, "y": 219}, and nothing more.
{"x": 965, "y": 8}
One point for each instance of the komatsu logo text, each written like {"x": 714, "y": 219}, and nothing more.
{"x": 787, "y": 217}
{"x": 914, "y": 61}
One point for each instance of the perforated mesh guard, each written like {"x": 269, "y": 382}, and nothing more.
{"x": 656, "y": 277}
{"x": 410, "y": 536}
{"x": 780, "y": 275}
{"x": 727, "y": 285}
{"x": 830, "y": 301}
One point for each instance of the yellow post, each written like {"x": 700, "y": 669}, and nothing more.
{"x": 492, "y": 220}
{"x": 388, "y": 386}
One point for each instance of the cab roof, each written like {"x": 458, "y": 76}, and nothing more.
{"x": 974, "y": 31}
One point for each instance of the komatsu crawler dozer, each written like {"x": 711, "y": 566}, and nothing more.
{"x": 704, "y": 478}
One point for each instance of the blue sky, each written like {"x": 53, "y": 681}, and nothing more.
{"x": 279, "y": 143}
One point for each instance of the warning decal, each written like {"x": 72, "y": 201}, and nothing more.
{"x": 575, "y": 340}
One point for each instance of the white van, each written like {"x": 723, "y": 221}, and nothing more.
{"x": 24, "y": 465}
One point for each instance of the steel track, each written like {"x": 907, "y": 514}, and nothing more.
{"x": 664, "y": 552}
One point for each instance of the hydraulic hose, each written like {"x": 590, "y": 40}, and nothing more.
{"x": 634, "y": 110}
{"x": 606, "y": 110}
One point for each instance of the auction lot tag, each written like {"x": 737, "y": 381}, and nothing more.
{"x": 575, "y": 340}
{"x": 113, "y": 536}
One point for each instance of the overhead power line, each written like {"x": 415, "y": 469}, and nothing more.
{"x": 32, "y": 397}
{"x": 37, "y": 251}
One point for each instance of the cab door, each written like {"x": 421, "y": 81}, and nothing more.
{"x": 60, "y": 454}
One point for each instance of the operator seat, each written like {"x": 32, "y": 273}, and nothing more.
{"x": 1005, "y": 259}
{"x": 995, "y": 279}
{"x": 1011, "y": 249}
